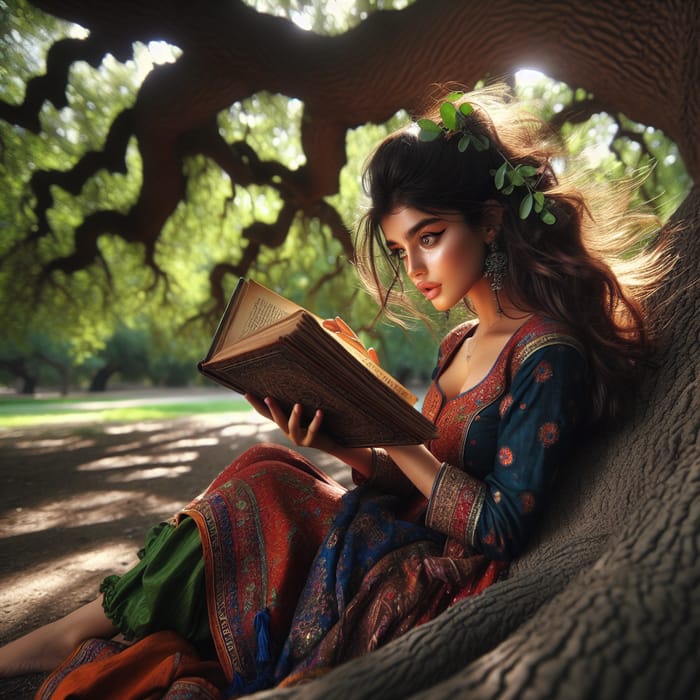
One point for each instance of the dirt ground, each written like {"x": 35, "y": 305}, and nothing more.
{"x": 76, "y": 501}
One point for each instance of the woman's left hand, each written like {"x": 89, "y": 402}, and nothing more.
{"x": 346, "y": 334}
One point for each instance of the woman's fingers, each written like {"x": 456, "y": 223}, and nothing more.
{"x": 300, "y": 434}
{"x": 292, "y": 425}
{"x": 345, "y": 329}
{"x": 277, "y": 414}
{"x": 258, "y": 404}
{"x": 339, "y": 327}
{"x": 331, "y": 325}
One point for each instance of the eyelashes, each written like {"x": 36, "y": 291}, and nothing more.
{"x": 427, "y": 240}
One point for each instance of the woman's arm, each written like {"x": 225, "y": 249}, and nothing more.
{"x": 418, "y": 464}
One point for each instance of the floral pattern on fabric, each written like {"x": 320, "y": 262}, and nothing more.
{"x": 365, "y": 538}
{"x": 261, "y": 522}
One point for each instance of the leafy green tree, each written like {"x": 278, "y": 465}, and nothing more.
{"x": 126, "y": 354}
{"x": 39, "y": 360}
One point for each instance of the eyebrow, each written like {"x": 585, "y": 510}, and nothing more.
{"x": 418, "y": 226}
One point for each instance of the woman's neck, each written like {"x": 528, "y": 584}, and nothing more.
{"x": 492, "y": 312}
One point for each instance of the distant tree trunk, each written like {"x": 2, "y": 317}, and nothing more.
{"x": 102, "y": 376}
{"x": 18, "y": 367}
{"x": 28, "y": 385}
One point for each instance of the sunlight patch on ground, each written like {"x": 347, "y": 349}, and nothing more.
{"x": 248, "y": 430}
{"x": 125, "y": 461}
{"x": 142, "y": 427}
{"x": 172, "y": 442}
{"x": 83, "y": 509}
{"x": 155, "y": 473}
{"x": 194, "y": 442}
{"x": 73, "y": 442}
{"x": 51, "y": 578}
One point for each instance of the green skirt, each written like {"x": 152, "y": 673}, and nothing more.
{"x": 164, "y": 590}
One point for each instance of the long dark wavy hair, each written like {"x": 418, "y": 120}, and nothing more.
{"x": 588, "y": 270}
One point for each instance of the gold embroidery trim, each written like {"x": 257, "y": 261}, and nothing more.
{"x": 450, "y": 488}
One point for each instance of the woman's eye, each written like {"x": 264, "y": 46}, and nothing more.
{"x": 428, "y": 239}
{"x": 400, "y": 253}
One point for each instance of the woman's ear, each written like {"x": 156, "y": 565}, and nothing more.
{"x": 492, "y": 219}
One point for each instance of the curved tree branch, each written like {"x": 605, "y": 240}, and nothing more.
{"x": 52, "y": 85}
{"x": 230, "y": 51}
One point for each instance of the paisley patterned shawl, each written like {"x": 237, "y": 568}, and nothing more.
{"x": 302, "y": 575}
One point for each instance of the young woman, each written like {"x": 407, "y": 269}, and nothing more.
{"x": 276, "y": 573}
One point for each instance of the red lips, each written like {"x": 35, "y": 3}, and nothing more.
{"x": 428, "y": 289}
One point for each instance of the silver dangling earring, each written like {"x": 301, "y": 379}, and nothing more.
{"x": 495, "y": 267}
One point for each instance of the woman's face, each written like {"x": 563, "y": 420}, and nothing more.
{"x": 443, "y": 257}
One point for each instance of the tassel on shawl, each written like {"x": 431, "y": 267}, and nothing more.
{"x": 263, "y": 661}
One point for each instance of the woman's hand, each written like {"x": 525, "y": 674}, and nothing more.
{"x": 344, "y": 332}
{"x": 359, "y": 458}
{"x": 292, "y": 425}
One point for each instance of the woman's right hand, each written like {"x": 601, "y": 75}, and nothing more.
{"x": 358, "y": 458}
{"x": 292, "y": 425}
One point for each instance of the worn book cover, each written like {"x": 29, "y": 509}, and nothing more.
{"x": 267, "y": 345}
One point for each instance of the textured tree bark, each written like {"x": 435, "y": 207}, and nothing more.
{"x": 606, "y": 603}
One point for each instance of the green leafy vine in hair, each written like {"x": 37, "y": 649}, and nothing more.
{"x": 507, "y": 177}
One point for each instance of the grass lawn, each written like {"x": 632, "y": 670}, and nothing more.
{"x": 21, "y": 412}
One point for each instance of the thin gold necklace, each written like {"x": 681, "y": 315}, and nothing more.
{"x": 470, "y": 343}
{"x": 469, "y": 347}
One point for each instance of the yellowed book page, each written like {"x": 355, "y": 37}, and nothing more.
{"x": 258, "y": 308}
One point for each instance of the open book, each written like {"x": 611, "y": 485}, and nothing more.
{"x": 267, "y": 345}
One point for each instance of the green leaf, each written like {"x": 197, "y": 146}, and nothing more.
{"x": 429, "y": 130}
{"x": 527, "y": 170}
{"x": 547, "y": 217}
{"x": 464, "y": 142}
{"x": 508, "y": 189}
{"x": 428, "y": 135}
{"x": 429, "y": 125}
{"x": 454, "y": 96}
{"x": 500, "y": 176}
{"x": 515, "y": 177}
{"x": 526, "y": 206}
{"x": 448, "y": 112}
{"x": 539, "y": 201}
{"x": 481, "y": 142}
{"x": 466, "y": 108}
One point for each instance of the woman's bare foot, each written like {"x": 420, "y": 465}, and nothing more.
{"x": 45, "y": 648}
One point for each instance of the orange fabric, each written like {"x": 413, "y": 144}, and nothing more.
{"x": 162, "y": 665}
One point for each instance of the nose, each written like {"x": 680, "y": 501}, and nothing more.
{"x": 415, "y": 265}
